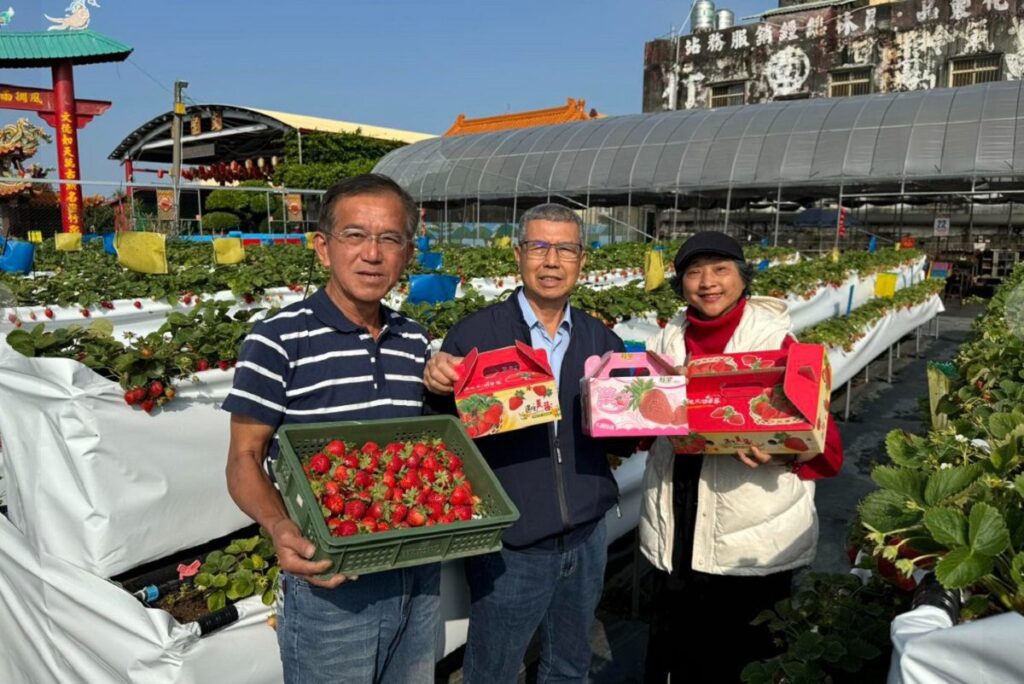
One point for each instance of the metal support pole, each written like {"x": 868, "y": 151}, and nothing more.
{"x": 846, "y": 411}
{"x": 270, "y": 220}
{"x": 199, "y": 204}
{"x": 889, "y": 380}
{"x": 179, "y": 113}
{"x": 299, "y": 132}
{"x": 936, "y": 319}
{"x": 867, "y": 367}
{"x": 899, "y": 343}
{"x": 778, "y": 204}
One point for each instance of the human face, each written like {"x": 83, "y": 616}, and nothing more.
{"x": 548, "y": 280}
{"x": 712, "y": 285}
{"x": 360, "y": 275}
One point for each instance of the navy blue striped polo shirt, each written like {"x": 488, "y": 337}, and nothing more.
{"x": 308, "y": 363}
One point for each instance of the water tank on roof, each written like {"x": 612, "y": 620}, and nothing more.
{"x": 702, "y": 18}
{"x": 725, "y": 19}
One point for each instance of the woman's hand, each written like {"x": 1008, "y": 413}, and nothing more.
{"x": 756, "y": 458}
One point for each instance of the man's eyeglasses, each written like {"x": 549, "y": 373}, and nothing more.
{"x": 538, "y": 249}
{"x": 388, "y": 242}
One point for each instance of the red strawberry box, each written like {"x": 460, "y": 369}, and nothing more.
{"x": 505, "y": 389}
{"x": 633, "y": 394}
{"x": 777, "y": 401}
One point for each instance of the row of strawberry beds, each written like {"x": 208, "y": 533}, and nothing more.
{"x": 103, "y": 410}
{"x": 951, "y": 502}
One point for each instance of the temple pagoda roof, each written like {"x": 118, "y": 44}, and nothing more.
{"x": 572, "y": 110}
{"x": 45, "y": 48}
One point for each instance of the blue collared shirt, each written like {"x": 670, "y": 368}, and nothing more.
{"x": 540, "y": 339}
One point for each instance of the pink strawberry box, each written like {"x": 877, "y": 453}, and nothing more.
{"x": 637, "y": 394}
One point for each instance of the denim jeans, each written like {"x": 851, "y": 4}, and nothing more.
{"x": 517, "y": 593}
{"x": 381, "y": 627}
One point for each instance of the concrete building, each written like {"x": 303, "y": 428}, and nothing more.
{"x": 835, "y": 49}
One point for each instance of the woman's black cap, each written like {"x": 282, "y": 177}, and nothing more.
{"x": 704, "y": 243}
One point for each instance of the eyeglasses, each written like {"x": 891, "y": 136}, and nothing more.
{"x": 538, "y": 249}
{"x": 388, "y": 242}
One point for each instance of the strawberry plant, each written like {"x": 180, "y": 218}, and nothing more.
{"x": 954, "y": 498}
{"x": 146, "y": 366}
{"x": 245, "y": 567}
{"x": 833, "y": 629}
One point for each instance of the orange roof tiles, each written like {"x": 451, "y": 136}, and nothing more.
{"x": 573, "y": 110}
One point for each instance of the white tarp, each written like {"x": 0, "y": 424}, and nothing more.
{"x": 106, "y": 486}
{"x": 63, "y": 623}
{"x": 884, "y": 332}
{"x": 927, "y": 649}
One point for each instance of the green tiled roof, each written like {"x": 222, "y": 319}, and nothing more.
{"x": 43, "y": 48}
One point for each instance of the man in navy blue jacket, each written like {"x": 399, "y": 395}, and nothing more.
{"x": 550, "y": 573}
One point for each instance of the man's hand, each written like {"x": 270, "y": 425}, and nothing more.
{"x": 756, "y": 458}
{"x": 294, "y": 552}
{"x": 440, "y": 375}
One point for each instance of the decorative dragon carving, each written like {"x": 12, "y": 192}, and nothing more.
{"x": 19, "y": 142}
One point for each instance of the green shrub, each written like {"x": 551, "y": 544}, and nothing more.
{"x": 220, "y": 222}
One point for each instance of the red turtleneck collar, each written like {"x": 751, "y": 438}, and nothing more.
{"x": 710, "y": 336}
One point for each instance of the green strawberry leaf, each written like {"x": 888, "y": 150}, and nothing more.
{"x": 216, "y": 601}
{"x": 886, "y": 510}
{"x": 943, "y": 484}
{"x": 947, "y": 527}
{"x": 962, "y": 567}
{"x": 988, "y": 532}
{"x": 909, "y": 483}
{"x": 1001, "y": 424}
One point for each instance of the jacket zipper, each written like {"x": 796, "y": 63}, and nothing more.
{"x": 559, "y": 480}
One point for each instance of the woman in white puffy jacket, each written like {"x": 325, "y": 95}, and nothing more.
{"x": 724, "y": 532}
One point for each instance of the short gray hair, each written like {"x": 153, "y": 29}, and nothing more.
{"x": 551, "y": 211}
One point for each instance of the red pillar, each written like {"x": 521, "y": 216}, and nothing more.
{"x": 71, "y": 206}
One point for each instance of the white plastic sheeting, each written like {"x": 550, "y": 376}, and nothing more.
{"x": 928, "y": 649}
{"x": 884, "y": 332}
{"x": 102, "y": 485}
{"x": 62, "y": 623}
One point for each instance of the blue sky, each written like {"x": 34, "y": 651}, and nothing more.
{"x": 399, "y": 63}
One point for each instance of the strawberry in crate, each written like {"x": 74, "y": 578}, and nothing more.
{"x": 364, "y": 489}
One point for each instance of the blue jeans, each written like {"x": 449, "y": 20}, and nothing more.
{"x": 517, "y": 593}
{"x": 381, "y": 627}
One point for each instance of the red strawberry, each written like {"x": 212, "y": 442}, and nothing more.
{"x": 395, "y": 464}
{"x": 202, "y": 364}
{"x": 335, "y": 448}
{"x": 370, "y": 449}
{"x": 460, "y": 496}
{"x": 736, "y": 419}
{"x": 382, "y": 526}
{"x": 389, "y": 479}
{"x": 436, "y": 510}
{"x": 148, "y": 405}
{"x": 795, "y": 443}
{"x": 454, "y": 462}
{"x": 415, "y": 518}
{"x": 362, "y": 479}
{"x": 320, "y": 463}
{"x": 355, "y": 509}
{"x": 223, "y": 365}
{"x": 515, "y": 402}
{"x": 540, "y": 390}
{"x": 662, "y": 322}
{"x": 156, "y": 388}
{"x": 107, "y": 304}
{"x": 129, "y": 397}
{"x": 399, "y": 513}
{"x": 376, "y": 510}
{"x": 334, "y": 503}
{"x": 49, "y": 312}
{"x": 419, "y": 450}
{"x": 347, "y": 528}
{"x": 331, "y": 487}
{"x": 333, "y": 523}
{"x": 493, "y": 414}
{"x": 650, "y": 402}
{"x": 85, "y": 312}
{"x": 350, "y": 460}
{"x": 463, "y": 512}
{"x": 341, "y": 473}
{"x": 137, "y": 304}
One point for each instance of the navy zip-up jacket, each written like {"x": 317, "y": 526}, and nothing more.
{"x": 561, "y": 485}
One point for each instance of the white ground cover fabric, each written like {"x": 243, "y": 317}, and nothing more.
{"x": 928, "y": 649}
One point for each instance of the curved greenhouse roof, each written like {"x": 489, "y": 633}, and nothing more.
{"x": 934, "y": 139}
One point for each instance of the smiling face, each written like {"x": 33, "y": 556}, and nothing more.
{"x": 548, "y": 279}
{"x": 360, "y": 275}
{"x": 712, "y": 285}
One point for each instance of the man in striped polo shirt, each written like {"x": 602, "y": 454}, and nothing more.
{"x": 339, "y": 355}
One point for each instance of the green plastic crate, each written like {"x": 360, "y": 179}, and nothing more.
{"x": 363, "y": 554}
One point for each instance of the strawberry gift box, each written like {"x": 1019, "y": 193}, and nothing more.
{"x": 505, "y": 389}
{"x": 777, "y": 401}
{"x": 633, "y": 395}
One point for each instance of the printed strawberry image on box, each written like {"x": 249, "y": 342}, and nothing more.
{"x": 505, "y": 389}
{"x": 777, "y": 401}
{"x": 633, "y": 394}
